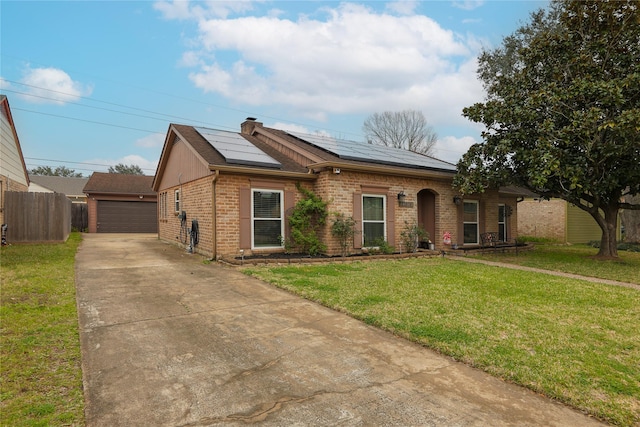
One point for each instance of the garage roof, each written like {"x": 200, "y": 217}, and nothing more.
{"x": 116, "y": 183}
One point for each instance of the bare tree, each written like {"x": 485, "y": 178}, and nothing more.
{"x": 406, "y": 129}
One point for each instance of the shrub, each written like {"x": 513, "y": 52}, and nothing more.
{"x": 344, "y": 229}
{"x": 411, "y": 236}
{"x": 382, "y": 246}
{"x": 307, "y": 217}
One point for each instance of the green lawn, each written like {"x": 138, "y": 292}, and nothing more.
{"x": 572, "y": 340}
{"x": 576, "y": 259}
{"x": 40, "y": 348}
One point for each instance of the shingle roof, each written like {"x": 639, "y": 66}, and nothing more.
{"x": 328, "y": 155}
{"x": 514, "y": 190}
{"x": 212, "y": 157}
{"x": 297, "y": 144}
{"x": 116, "y": 183}
{"x": 61, "y": 184}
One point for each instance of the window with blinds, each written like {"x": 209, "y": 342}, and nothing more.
{"x": 267, "y": 218}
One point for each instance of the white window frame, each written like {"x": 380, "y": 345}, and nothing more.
{"x": 384, "y": 216}
{"x": 476, "y": 222}
{"x": 176, "y": 201}
{"x": 502, "y": 222}
{"x": 254, "y": 219}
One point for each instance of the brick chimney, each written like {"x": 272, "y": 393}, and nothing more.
{"x": 249, "y": 125}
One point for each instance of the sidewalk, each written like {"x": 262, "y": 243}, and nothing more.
{"x": 553, "y": 273}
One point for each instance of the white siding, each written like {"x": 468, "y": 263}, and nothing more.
{"x": 10, "y": 161}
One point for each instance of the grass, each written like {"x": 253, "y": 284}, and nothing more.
{"x": 576, "y": 259}
{"x": 571, "y": 340}
{"x": 40, "y": 347}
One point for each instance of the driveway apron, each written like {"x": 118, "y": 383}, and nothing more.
{"x": 170, "y": 340}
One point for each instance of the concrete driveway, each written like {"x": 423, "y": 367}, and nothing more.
{"x": 168, "y": 340}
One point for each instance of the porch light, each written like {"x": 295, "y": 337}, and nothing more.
{"x": 457, "y": 200}
{"x": 401, "y": 196}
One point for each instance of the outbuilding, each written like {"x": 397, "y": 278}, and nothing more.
{"x": 121, "y": 203}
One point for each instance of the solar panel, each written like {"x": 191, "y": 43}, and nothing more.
{"x": 353, "y": 150}
{"x": 237, "y": 150}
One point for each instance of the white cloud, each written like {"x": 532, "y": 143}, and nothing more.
{"x": 347, "y": 59}
{"x": 402, "y": 7}
{"x": 184, "y": 9}
{"x": 147, "y": 166}
{"x": 468, "y": 4}
{"x": 451, "y": 149}
{"x": 299, "y": 128}
{"x": 4, "y": 84}
{"x": 153, "y": 140}
{"x": 52, "y": 85}
{"x": 355, "y": 61}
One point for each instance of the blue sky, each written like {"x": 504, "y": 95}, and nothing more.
{"x": 96, "y": 83}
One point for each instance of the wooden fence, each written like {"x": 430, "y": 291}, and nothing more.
{"x": 79, "y": 217}
{"x": 37, "y": 217}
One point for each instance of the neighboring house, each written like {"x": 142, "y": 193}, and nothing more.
{"x": 71, "y": 187}
{"x": 120, "y": 203}
{"x": 13, "y": 171}
{"x": 240, "y": 188}
{"x": 558, "y": 220}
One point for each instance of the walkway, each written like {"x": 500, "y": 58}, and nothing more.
{"x": 553, "y": 273}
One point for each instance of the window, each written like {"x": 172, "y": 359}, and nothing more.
{"x": 470, "y": 220}
{"x": 373, "y": 219}
{"x": 163, "y": 205}
{"x": 267, "y": 218}
{"x": 502, "y": 224}
{"x": 177, "y": 201}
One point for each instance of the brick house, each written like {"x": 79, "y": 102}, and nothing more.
{"x": 558, "y": 220}
{"x": 240, "y": 186}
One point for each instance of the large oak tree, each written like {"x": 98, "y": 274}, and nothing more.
{"x": 562, "y": 113}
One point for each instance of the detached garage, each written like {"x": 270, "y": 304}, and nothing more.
{"x": 119, "y": 203}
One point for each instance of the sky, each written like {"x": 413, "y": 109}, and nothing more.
{"x": 92, "y": 84}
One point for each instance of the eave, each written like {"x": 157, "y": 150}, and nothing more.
{"x": 241, "y": 170}
{"x": 384, "y": 170}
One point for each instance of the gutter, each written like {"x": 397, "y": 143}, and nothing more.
{"x": 307, "y": 176}
{"x": 384, "y": 170}
{"x": 214, "y": 241}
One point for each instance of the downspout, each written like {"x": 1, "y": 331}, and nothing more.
{"x": 214, "y": 241}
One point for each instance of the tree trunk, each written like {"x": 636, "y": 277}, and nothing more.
{"x": 608, "y": 224}
{"x": 631, "y": 221}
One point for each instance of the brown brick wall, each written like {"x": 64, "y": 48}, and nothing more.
{"x": 339, "y": 189}
{"x": 545, "y": 218}
{"x": 195, "y": 200}
{"x": 336, "y": 189}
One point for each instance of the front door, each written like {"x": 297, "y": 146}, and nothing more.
{"x": 427, "y": 212}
